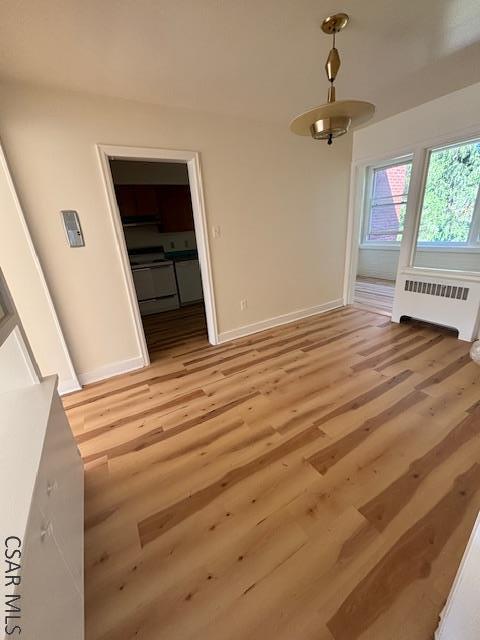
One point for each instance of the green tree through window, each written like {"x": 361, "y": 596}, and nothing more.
{"x": 451, "y": 193}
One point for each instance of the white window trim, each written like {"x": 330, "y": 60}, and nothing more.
{"x": 367, "y": 205}
{"x": 472, "y": 245}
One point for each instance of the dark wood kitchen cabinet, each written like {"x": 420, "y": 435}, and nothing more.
{"x": 170, "y": 204}
{"x": 147, "y": 200}
{"x": 126, "y": 200}
{"x": 176, "y": 208}
{"x": 137, "y": 200}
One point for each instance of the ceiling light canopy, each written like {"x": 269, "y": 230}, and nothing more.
{"x": 334, "y": 118}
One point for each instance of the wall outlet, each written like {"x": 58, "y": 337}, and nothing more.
{"x": 216, "y": 231}
{"x": 186, "y": 243}
{"x": 243, "y": 304}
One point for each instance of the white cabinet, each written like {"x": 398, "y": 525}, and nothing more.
{"x": 189, "y": 281}
{"x": 59, "y": 490}
{"x": 52, "y": 605}
{"x": 460, "y": 619}
{"x": 44, "y": 510}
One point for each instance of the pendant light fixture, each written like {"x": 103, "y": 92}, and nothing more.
{"x": 333, "y": 119}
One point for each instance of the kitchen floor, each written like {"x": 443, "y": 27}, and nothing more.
{"x": 318, "y": 480}
{"x": 175, "y": 328}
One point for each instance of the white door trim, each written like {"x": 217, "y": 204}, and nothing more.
{"x": 192, "y": 160}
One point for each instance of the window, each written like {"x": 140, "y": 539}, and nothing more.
{"x": 450, "y": 213}
{"x": 386, "y": 203}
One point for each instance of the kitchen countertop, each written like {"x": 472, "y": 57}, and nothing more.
{"x": 154, "y": 263}
{"x": 179, "y": 256}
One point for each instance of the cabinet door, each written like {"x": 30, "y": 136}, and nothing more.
{"x": 176, "y": 207}
{"x": 52, "y": 606}
{"x": 146, "y": 200}
{"x": 127, "y": 204}
{"x": 185, "y": 209}
{"x": 59, "y": 489}
{"x": 163, "y": 278}
{"x": 144, "y": 285}
{"x": 189, "y": 281}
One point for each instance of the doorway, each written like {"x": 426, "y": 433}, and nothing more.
{"x": 157, "y": 211}
{"x": 381, "y": 232}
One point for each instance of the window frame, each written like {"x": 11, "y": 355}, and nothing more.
{"x": 473, "y": 242}
{"x": 365, "y": 242}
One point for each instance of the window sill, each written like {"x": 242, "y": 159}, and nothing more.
{"x": 449, "y": 249}
{"x": 381, "y": 247}
{"x": 426, "y": 248}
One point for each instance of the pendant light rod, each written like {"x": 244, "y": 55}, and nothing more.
{"x": 333, "y": 25}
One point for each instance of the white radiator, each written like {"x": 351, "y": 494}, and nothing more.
{"x": 447, "y": 302}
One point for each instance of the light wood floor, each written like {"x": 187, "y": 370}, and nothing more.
{"x": 318, "y": 481}
{"x": 175, "y": 328}
{"x": 374, "y": 294}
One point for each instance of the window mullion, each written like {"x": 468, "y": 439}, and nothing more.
{"x": 368, "y": 206}
{"x": 473, "y": 236}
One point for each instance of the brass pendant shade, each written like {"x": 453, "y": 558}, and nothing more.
{"x": 334, "y": 118}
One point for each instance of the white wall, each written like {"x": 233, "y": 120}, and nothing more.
{"x": 280, "y": 201}
{"x": 450, "y": 114}
{"x": 27, "y": 286}
{"x": 383, "y": 263}
{"x": 378, "y": 263}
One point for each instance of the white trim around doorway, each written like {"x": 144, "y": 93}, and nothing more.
{"x": 192, "y": 160}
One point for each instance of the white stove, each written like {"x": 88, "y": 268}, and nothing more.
{"x": 155, "y": 282}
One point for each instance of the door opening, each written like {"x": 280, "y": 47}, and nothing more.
{"x": 155, "y": 206}
{"x": 384, "y": 209}
{"x": 158, "y": 216}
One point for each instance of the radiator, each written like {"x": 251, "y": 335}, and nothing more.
{"x": 444, "y": 301}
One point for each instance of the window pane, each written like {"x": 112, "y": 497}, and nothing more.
{"x": 388, "y": 203}
{"x": 450, "y": 194}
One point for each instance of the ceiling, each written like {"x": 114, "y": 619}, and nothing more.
{"x": 262, "y": 59}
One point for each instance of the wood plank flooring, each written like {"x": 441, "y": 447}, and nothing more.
{"x": 374, "y": 294}
{"x": 173, "y": 328}
{"x": 315, "y": 481}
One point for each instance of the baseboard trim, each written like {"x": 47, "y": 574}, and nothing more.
{"x": 68, "y": 386}
{"x": 110, "y": 370}
{"x": 255, "y": 327}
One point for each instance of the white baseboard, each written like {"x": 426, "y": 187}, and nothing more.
{"x": 109, "y": 370}
{"x": 68, "y": 386}
{"x": 255, "y": 327}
